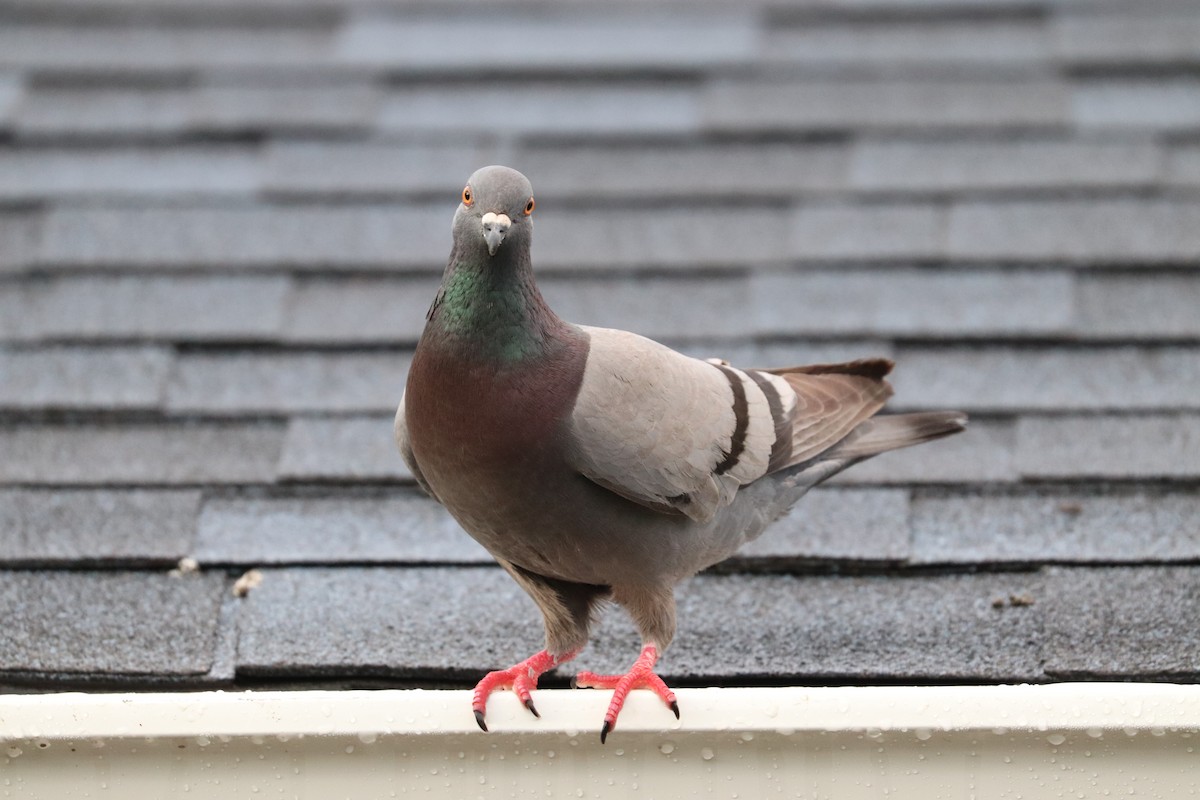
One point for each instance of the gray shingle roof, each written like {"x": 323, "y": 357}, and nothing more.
{"x": 221, "y": 224}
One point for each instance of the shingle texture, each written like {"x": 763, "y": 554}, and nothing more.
{"x": 192, "y": 308}
{"x": 101, "y": 525}
{"x": 399, "y": 526}
{"x": 1109, "y": 446}
{"x": 1044, "y": 378}
{"x": 852, "y": 628}
{"x": 1072, "y": 524}
{"x": 816, "y": 104}
{"x": 623, "y": 40}
{"x": 850, "y": 524}
{"x": 265, "y": 383}
{"x": 109, "y": 624}
{"x": 83, "y": 377}
{"x": 341, "y": 449}
{"x": 1126, "y": 623}
{"x": 139, "y": 453}
{"x": 221, "y": 226}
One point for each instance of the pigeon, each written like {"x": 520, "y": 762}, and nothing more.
{"x": 598, "y": 465}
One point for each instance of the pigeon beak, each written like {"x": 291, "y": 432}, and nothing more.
{"x": 495, "y": 227}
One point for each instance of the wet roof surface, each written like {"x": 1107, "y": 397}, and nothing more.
{"x": 221, "y": 224}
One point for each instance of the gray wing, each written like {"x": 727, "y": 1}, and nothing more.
{"x": 673, "y": 433}
{"x": 400, "y": 431}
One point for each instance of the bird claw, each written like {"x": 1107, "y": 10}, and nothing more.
{"x": 522, "y": 678}
{"x": 640, "y": 676}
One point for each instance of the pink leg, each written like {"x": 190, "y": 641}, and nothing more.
{"x": 522, "y": 678}
{"x": 640, "y": 676}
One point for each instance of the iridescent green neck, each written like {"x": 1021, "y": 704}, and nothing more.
{"x": 493, "y": 310}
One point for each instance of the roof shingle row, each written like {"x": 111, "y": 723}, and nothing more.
{"x": 221, "y": 224}
{"x": 375, "y": 623}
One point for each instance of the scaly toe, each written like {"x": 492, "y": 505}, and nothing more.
{"x": 640, "y": 676}
{"x": 522, "y": 678}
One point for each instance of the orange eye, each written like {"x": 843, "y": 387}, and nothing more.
{"x": 467, "y": 196}
{"x": 529, "y": 207}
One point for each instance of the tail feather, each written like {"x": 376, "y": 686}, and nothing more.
{"x": 893, "y": 431}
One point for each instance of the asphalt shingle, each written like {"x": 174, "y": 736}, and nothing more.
{"x": 837, "y": 525}
{"x": 251, "y": 237}
{"x": 412, "y": 622}
{"x": 910, "y": 302}
{"x": 16, "y": 323}
{"x": 543, "y": 109}
{"x": 324, "y": 107}
{"x": 72, "y": 113}
{"x": 1049, "y": 378}
{"x": 101, "y": 625}
{"x": 153, "y": 113}
{"x": 83, "y": 377}
{"x": 375, "y": 168}
{"x": 866, "y": 628}
{"x": 19, "y": 234}
{"x": 172, "y": 308}
{"x": 280, "y": 383}
{"x": 671, "y": 308}
{"x": 1123, "y": 447}
{"x": 341, "y": 450}
{"x": 1125, "y": 622}
{"x": 359, "y": 309}
{"x": 838, "y": 105}
{"x": 617, "y": 39}
{"x": 985, "y": 453}
{"x": 884, "y": 48}
{"x": 1183, "y": 168}
{"x": 11, "y": 89}
{"x": 1123, "y": 231}
{"x": 398, "y": 527}
{"x": 868, "y": 232}
{"x": 1079, "y": 524}
{"x": 1138, "y": 307}
{"x": 1003, "y": 165}
{"x": 684, "y": 172}
{"x": 150, "y": 49}
{"x": 39, "y": 174}
{"x": 221, "y": 225}
{"x": 101, "y": 526}
{"x": 1137, "y": 105}
{"x": 140, "y": 453}
{"x": 1109, "y": 39}
{"x": 707, "y": 238}
{"x": 379, "y": 620}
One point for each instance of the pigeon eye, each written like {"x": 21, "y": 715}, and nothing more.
{"x": 468, "y": 196}
{"x": 529, "y": 207}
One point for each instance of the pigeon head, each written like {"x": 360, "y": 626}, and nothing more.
{"x": 497, "y": 204}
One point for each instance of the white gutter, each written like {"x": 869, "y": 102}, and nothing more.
{"x": 1058, "y": 740}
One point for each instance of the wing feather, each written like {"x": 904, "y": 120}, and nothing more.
{"x": 681, "y": 435}
{"x": 673, "y": 433}
{"x": 400, "y": 432}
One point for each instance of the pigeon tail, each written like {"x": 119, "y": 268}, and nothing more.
{"x": 893, "y": 431}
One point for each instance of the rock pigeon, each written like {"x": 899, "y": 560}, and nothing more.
{"x": 595, "y": 464}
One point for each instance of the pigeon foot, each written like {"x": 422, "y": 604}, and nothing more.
{"x": 640, "y": 676}
{"x": 522, "y": 678}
